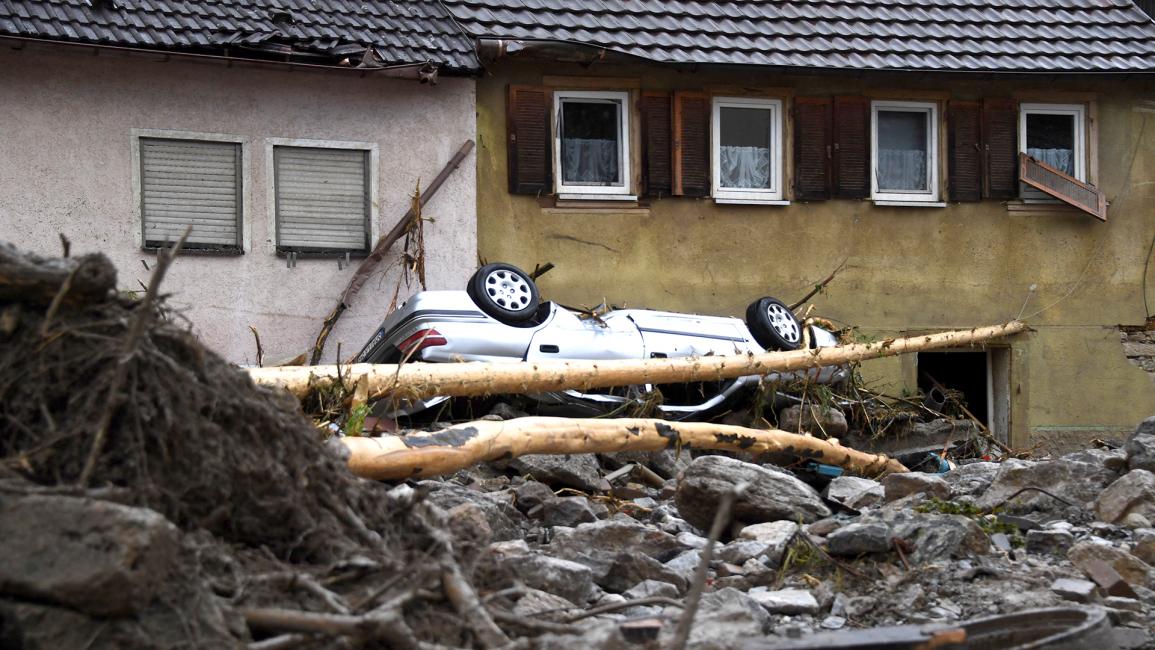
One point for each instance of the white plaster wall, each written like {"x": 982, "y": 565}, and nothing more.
{"x": 66, "y": 118}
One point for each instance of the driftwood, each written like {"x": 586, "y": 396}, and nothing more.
{"x": 70, "y": 280}
{"x": 441, "y": 452}
{"x": 418, "y": 380}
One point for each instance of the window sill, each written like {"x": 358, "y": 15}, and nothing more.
{"x": 910, "y": 204}
{"x": 199, "y": 252}
{"x": 597, "y": 197}
{"x": 726, "y": 201}
{"x": 315, "y": 254}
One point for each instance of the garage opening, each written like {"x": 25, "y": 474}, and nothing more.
{"x": 982, "y": 379}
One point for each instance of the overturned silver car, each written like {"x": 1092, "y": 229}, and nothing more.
{"x": 500, "y": 317}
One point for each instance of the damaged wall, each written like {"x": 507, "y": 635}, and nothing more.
{"x": 66, "y": 169}
{"x": 907, "y": 269}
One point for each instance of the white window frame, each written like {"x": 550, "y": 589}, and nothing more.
{"x": 245, "y": 199}
{"x": 595, "y": 192}
{"x": 772, "y": 195}
{"x": 931, "y": 195}
{"x": 271, "y": 184}
{"x": 1079, "y": 112}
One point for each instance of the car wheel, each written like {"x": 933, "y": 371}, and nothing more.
{"x": 773, "y": 324}
{"x": 505, "y": 292}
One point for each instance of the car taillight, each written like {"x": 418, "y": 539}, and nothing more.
{"x": 420, "y": 340}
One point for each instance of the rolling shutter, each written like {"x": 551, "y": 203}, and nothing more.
{"x": 190, "y": 182}
{"x": 530, "y": 140}
{"x": 851, "y": 158}
{"x": 965, "y": 148}
{"x": 691, "y": 144}
{"x": 657, "y": 163}
{"x": 812, "y": 147}
{"x": 1000, "y": 148}
{"x": 1066, "y": 188}
{"x": 322, "y": 199}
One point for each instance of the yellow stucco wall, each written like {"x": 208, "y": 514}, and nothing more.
{"x": 906, "y": 268}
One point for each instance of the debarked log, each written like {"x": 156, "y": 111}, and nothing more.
{"x": 420, "y": 380}
{"x": 422, "y": 454}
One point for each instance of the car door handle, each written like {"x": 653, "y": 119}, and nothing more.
{"x": 549, "y": 349}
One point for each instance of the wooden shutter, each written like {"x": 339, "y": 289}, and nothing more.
{"x": 190, "y": 182}
{"x": 657, "y": 144}
{"x": 1000, "y": 131}
{"x": 1068, "y": 189}
{"x": 813, "y": 145}
{"x": 322, "y": 199}
{"x": 965, "y": 151}
{"x": 691, "y": 144}
{"x": 530, "y": 140}
{"x": 851, "y": 156}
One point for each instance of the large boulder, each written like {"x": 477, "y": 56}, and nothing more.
{"x": 971, "y": 479}
{"x": 1016, "y": 488}
{"x": 726, "y": 617}
{"x": 1135, "y": 571}
{"x": 770, "y": 495}
{"x": 813, "y": 418}
{"x": 570, "y": 580}
{"x": 1140, "y": 447}
{"x": 897, "y": 486}
{"x": 578, "y": 471}
{"x": 1133, "y": 493}
{"x": 854, "y": 492}
{"x": 505, "y": 521}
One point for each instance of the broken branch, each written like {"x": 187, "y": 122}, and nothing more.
{"x": 423, "y": 454}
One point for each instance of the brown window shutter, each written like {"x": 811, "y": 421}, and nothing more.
{"x": 965, "y": 151}
{"x": 691, "y": 144}
{"x": 813, "y": 144}
{"x": 530, "y": 140}
{"x": 1000, "y": 148}
{"x": 657, "y": 144}
{"x": 851, "y": 156}
{"x": 1068, "y": 189}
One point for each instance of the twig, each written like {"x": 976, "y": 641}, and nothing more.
{"x": 54, "y": 306}
{"x": 1029, "y": 488}
{"x": 533, "y": 624}
{"x": 283, "y": 642}
{"x": 721, "y": 518}
{"x": 466, "y": 602}
{"x": 898, "y": 543}
{"x": 388, "y": 626}
{"x": 613, "y": 607}
{"x": 144, "y": 313}
{"x": 830, "y": 558}
{"x": 541, "y": 270}
{"x": 260, "y": 350}
{"x": 308, "y": 583}
{"x": 819, "y": 287}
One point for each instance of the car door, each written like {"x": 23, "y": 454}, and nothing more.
{"x": 568, "y": 337}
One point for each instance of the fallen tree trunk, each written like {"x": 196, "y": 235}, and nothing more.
{"x": 441, "y": 452}
{"x": 419, "y": 380}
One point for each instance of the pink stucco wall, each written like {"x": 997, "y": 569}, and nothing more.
{"x": 66, "y": 167}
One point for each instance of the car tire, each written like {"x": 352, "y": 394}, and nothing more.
{"x": 773, "y": 325}
{"x": 504, "y": 292}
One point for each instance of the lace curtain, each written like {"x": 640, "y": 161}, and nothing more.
{"x": 744, "y": 167}
{"x": 589, "y": 161}
{"x": 1061, "y": 159}
{"x": 901, "y": 169}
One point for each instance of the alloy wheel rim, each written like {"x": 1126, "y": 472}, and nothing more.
{"x": 507, "y": 290}
{"x": 783, "y": 322}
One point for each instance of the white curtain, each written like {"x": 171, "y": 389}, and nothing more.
{"x": 1061, "y": 159}
{"x": 901, "y": 169}
{"x": 744, "y": 167}
{"x": 589, "y": 161}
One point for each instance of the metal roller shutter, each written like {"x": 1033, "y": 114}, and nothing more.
{"x": 190, "y": 182}
{"x": 322, "y": 199}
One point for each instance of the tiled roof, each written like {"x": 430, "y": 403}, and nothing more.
{"x": 317, "y": 31}
{"x": 949, "y": 35}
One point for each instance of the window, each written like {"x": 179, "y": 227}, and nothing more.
{"x": 591, "y": 154}
{"x": 904, "y": 159}
{"x": 1053, "y": 134}
{"x": 747, "y": 152}
{"x": 322, "y": 199}
{"x": 190, "y": 182}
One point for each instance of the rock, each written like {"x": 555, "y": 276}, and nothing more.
{"x": 971, "y": 479}
{"x": 650, "y": 589}
{"x": 1144, "y": 545}
{"x": 1077, "y": 482}
{"x": 833, "y": 623}
{"x": 823, "y": 527}
{"x": 629, "y": 568}
{"x": 777, "y": 535}
{"x": 612, "y": 536}
{"x": 724, "y": 618}
{"x": 1140, "y": 446}
{"x": 785, "y": 601}
{"x": 1135, "y": 520}
{"x": 567, "y": 511}
{"x": 1133, "y": 493}
{"x": 854, "y": 492}
{"x": 666, "y": 463}
{"x": 469, "y": 524}
{"x": 1049, "y": 541}
{"x": 738, "y": 551}
{"x": 535, "y": 601}
{"x": 1080, "y": 591}
{"x": 598, "y": 635}
{"x": 939, "y": 537}
{"x": 771, "y": 494}
{"x": 570, "y": 580}
{"x": 897, "y": 486}
{"x": 97, "y": 557}
{"x": 531, "y": 494}
{"x": 578, "y": 471}
{"x": 1112, "y": 459}
{"x": 1135, "y": 571}
{"x": 685, "y": 564}
{"x": 859, "y": 538}
{"x": 505, "y": 521}
{"x": 819, "y": 420}
{"x": 690, "y": 540}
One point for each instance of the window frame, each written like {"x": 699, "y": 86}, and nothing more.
{"x": 1082, "y": 168}
{"x": 244, "y": 196}
{"x": 371, "y": 185}
{"x": 602, "y": 192}
{"x": 934, "y": 157}
{"x": 775, "y": 193}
